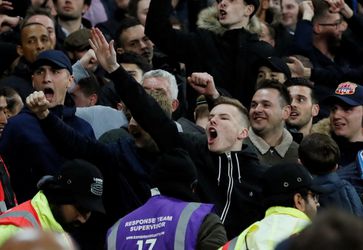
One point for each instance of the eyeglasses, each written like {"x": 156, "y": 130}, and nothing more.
{"x": 314, "y": 196}
{"x": 334, "y": 25}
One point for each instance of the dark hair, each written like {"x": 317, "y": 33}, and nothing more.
{"x": 37, "y": 10}
{"x": 124, "y": 25}
{"x": 284, "y": 199}
{"x": 299, "y": 81}
{"x": 90, "y": 85}
{"x": 133, "y": 58}
{"x": 319, "y": 153}
{"x": 320, "y": 9}
{"x": 274, "y": 84}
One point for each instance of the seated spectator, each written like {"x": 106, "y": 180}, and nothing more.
{"x": 273, "y": 68}
{"x": 320, "y": 155}
{"x": 291, "y": 203}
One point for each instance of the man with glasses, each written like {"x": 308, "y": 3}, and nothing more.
{"x": 319, "y": 36}
{"x": 291, "y": 202}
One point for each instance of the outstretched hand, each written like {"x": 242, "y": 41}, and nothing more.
{"x": 105, "y": 52}
{"x": 38, "y": 104}
{"x": 203, "y": 83}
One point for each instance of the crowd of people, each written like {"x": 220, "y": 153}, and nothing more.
{"x": 157, "y": 124}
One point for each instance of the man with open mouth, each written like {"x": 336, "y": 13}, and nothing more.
{"x": 24, "y": 147}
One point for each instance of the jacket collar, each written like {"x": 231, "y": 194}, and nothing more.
{"x": 263, "y": 147}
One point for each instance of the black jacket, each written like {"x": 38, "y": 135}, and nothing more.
{"x": 230, "y": 56}
{"x": 230, "y": 181}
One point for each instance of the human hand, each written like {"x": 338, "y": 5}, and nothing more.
{"x": 339, "y": 6}
{"x": 6, "y": 5}
{"x": 105, "y": 52}
{"x": 89, "y": 59}
{"x": 38, "y": 104}
{"x": 203, "y": 83}
{"x": 8, "y": 22}
{"x": 307, "y": 10}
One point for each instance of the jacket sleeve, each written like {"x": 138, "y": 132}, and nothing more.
{"x": 146, "y": 111}
{"x": 74, "y": 145}
{"x": 172, "y": 42}
{"x": 303, "y": 39}
{"x": 212, "y": 234}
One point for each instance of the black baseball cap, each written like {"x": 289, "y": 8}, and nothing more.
{"x": 55, "y": 58}
{"x": 285, "y": 178}
{"x": 78, "y": 183}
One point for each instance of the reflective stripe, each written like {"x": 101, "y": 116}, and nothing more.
{"x": 182, "y": 225}
{"x": 232, "y": 244}
{"x": 112, "y": 238}
{"x": 3, "y": 207}
{"x": 22, "y": 214}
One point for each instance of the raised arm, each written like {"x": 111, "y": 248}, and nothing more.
{"x": 145, "y": 110}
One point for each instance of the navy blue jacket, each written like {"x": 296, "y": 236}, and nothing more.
{"x": 29, "y": 154}
{"x": 338, "y": 193}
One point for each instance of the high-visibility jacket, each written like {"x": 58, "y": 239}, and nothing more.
{"x": 279, "y": 223}
{"x": 7, "y": 196}
{"x": 34, "y": 213}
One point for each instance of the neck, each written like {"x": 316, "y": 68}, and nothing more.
{"x": 357, "y": 137}
{"x": 70, "y": 25}
{"x": 306, "y": 130}
{"x": 273, "y": 138}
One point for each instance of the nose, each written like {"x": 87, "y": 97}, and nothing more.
{"x": 3, "y": 117}
{"x": 40, "y": 45}
{"x": 293, "y": 103}
{"x": 46, "y": 77}
{"x": 82, "y": 218}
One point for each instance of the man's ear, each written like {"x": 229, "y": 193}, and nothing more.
{"x": 286, "y": 112}
{"x": 299, "y": 202}
{"x": 120, "y": 51}
{"x": 249, "y": 10}
{"x": 243, "y": 134}
{"x": 175, "y": 104}
{"x": 85, "y": 8}
{"x": 315, "y": 110}
{"x": 93, "y": 99}
{"x": 19, "y": 50}
{"x": 316, "y": 28}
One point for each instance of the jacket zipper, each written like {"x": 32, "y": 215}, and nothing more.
{"x": 230, "y": 187}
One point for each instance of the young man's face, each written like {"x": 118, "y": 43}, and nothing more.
{"x": 53, "y": 82}
{"x": 48, "y": 23}
{"x": 346, "y": 121}
{"x": 133, "y": 70}
{"x": 134, "y": 40}
{"x": 289, "y": 10}
{"x": 233, "y": 14}
{"x": 142, "y": 10}
{"x": 70, "y": 9}
{"x": 266, "y": 112}
{"x": 69, "y": 216}
{"x": 34, "y": 39}
{"x": 265, "y": 73}
{"x": 302, "y": 108}
{"x": 225, "y": 130}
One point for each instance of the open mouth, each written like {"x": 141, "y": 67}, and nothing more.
{"x": 49, "y": 93}
{"x": 294, "y": 114}
{"x": 222, "y": 14}
{"x": 212, "y": 132}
